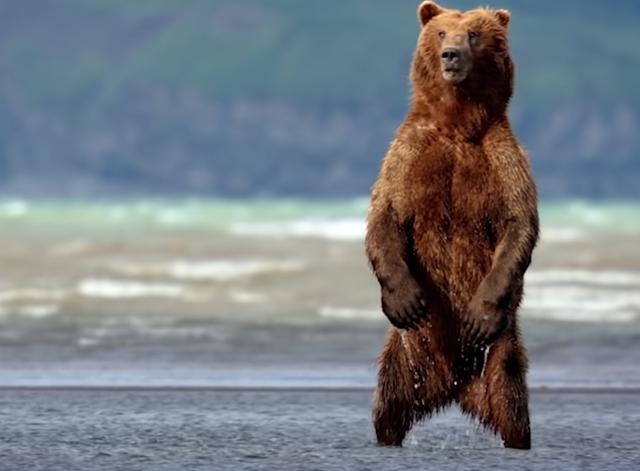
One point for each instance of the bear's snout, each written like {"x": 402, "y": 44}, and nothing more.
{"x": 456, "y": 63}
{"x": 451, "y": 55}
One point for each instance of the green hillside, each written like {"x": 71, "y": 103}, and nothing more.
{"x": 176, "y": 95}
{"x": 347, "y": 51}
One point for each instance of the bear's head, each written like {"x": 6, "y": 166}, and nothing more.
{"x": 463, "y": 49}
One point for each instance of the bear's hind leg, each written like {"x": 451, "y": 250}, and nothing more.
{"x": 393, "y": 405}
{"x": 499, "y": 398}
{"x": 412, "y": 383}
{"x": 392, "y": 419}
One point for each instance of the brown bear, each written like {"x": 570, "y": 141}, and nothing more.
{"x": 451, "y": 228}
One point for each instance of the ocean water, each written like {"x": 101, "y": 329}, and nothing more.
{"x": 276, "y": 293}
{"x": 208, "y": 334}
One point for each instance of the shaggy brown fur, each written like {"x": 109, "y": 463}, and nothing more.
{"x": 451, "y": 228}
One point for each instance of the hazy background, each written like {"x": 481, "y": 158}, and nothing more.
{"x": 183, "y": 188}
{"x": 288, "y": 97}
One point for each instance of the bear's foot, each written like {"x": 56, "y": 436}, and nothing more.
{"x": 392, "y": 421}
{"x": 522, "y": 442}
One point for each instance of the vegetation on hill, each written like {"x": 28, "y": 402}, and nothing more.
{"x": 288, "y": 97}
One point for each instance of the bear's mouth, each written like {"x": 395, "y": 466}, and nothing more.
{"x": 454, "y": 74}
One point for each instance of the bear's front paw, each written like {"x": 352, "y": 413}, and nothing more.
{"x": 483, "y": 322}
{"x": 405, "y": 307}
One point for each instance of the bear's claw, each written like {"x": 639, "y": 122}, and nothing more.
{"x": 405, "y": 308}
{"x": 483, "y": 324}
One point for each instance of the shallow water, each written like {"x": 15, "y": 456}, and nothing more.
{"x": 92, "y": 430}
{"x": 331, "y": 354}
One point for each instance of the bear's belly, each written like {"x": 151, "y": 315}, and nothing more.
{"x": 454, "y": 230}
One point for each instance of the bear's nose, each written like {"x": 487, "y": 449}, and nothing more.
{"x": 450, "y": 54}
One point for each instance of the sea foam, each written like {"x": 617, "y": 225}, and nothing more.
{"x": 618, "y": 278}
{"x": 338, "y": 229}
{"x": 119, "y": 289}
{"x": 220, "y": 270}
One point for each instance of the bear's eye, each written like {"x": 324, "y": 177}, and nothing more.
{"x": 442, "y": 34}
{"x": 473, "y": 35}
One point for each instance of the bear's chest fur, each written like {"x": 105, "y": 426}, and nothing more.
{"x": 456, "y": 219}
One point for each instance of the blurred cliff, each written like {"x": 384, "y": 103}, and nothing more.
{"x": 284, "y": 97}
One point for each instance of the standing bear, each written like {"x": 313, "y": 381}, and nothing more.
{"x": 451, "y": 228}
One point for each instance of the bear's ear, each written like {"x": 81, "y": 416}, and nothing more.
{"x": 503, "y": 17}
{"x": 428, "y": 10}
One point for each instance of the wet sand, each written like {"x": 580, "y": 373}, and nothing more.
{"x": 277, "y": 429}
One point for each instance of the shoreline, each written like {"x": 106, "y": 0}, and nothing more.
{"x": 538, "y": 390}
